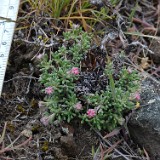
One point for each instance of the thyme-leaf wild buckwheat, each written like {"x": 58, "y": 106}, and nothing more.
{"x": 60, "y": 72}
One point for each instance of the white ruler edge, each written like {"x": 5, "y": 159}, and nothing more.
{"x": 8, "y": 10}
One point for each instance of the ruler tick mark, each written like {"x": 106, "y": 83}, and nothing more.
{"x": 8, "y": 15}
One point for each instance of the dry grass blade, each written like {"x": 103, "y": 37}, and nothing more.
{"x": 147, "y": 156}
{"x": 110, "y": 149}
{"x": 62, "y": 11}
{"x": 113, "y": 133}
{"x": 102, "y": 152}
{"x": 3, "y": 133}
{"x": 86, "y": 27}
{"x": 110, "y": 145}
{"x": 70, "y": 11}
{"x": 141, "y": 35}
{"x": 9, "y": 148}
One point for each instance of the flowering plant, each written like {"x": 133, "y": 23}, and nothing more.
{"x": 109, "y": 105}
{"x": 60, "y": 72}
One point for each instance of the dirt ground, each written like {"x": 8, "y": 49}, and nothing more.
{"x": 19, "y": 108}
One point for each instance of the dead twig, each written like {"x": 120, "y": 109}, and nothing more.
{"x": 145, "y": 24}
{"x": 10, "y": 147}
{"x": 147, "y": 156}
{"x": 52, "y": 44}
{"x": 143, "y": 73}
{"x": 3, "y": 133}
{"x": 19, "y": 77}
{"x": 110, "y": 145}
{"x": 137, "y": 43}
{"x": 110, "y": 149}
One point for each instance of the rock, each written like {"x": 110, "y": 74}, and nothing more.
{"x": 155, "y": 47}
{"x": 144, "y": 125}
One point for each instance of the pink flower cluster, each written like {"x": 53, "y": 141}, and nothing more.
{"x": 74, "y": 70}
{"x": 78, "y": 106}
{"x": 45, "y": 120}
{"x": 91, "y": 113}
{"x": 49, "y": 90}
{"x": 40, "y": 56}
{"x": 129, "y": 70}
{"x": 137, "y": 96}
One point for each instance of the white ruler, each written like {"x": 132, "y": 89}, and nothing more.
{"x": 8, "y": 14}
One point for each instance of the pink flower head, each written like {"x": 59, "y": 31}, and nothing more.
{"x": 49, "y": 90}
{"x": 129, "y": 70}
{"x": 137, "y": 96}
{"x": 41, "y": 104}
{"x": 40, "y": 56}
{"x": 45, "y": 120}
{"x": 78, "y": 106}
{"x": 74, "y": 71}
{"x": 91, "y": 113}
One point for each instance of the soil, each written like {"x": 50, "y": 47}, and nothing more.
{"x": 19, "y": 108}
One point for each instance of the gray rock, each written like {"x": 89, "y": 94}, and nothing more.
{"x": 144, "y": 125}
{"x": 155, "y": 47}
